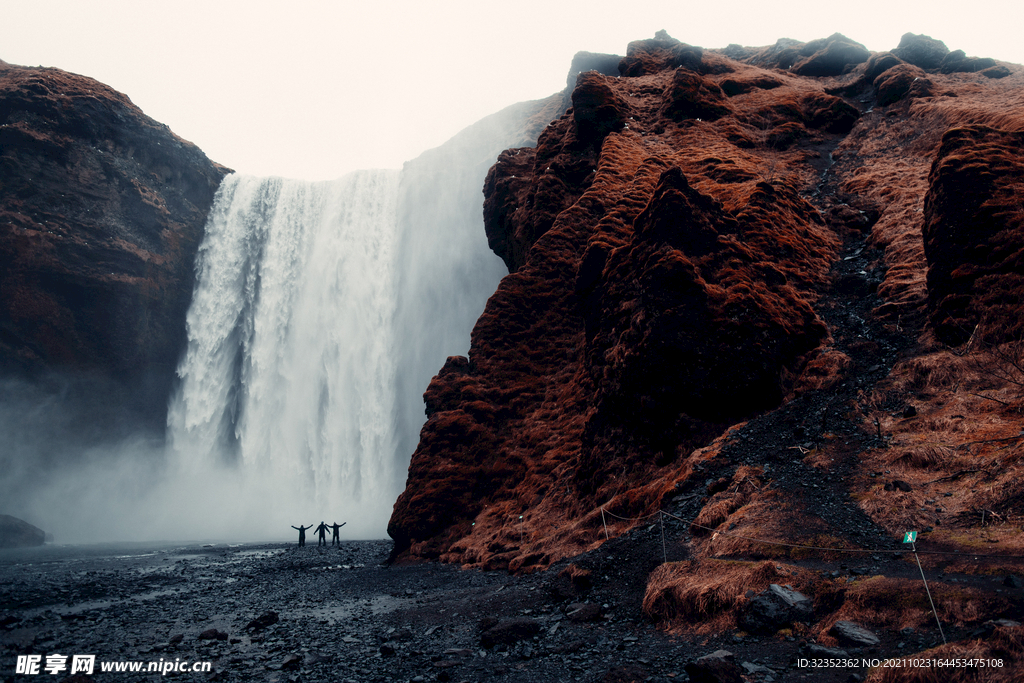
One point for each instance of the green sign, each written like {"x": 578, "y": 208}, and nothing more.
{"x": 910, "y": 537}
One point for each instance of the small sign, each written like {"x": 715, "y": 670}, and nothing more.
{"x": 910, "y": 537}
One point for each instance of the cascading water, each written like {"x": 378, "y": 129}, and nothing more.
{"x": 288, "y": 381}
{"x": 320, "y": 313}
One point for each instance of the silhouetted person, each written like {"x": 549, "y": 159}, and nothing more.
{"x": 322, "y": 532}
{"x": 334, "y": 532}
{"x": 302, "y": 534}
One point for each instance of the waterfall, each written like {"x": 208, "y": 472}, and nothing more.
{"x": 288, "y": 380}
{"x": 320, "y": 314}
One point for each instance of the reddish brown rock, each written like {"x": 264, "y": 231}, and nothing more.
{"x": 660, "y": 290}
{"x": 902, "y": 82}
{"x": 879, "y": 63}
{"x": 973, "y": 234}
{"x": 957, "y": 61}
{"x": 667, "y": 259}
{"x": 658, "y": 54}
{"x": 101, "y": 213}
{"x": 692, "y": 96}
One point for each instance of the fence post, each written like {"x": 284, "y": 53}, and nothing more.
{"x": 664, "y": 552}
{"x": 916, "y": 557}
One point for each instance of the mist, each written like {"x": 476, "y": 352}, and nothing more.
{"x": 321, "y": 311}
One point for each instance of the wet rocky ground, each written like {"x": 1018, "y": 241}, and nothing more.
{"x": 276, "y": 612}
{"x": 339, "y": 614}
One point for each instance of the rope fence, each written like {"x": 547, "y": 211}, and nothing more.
{"x": 661, "y": 514}
{"x": 913, "y": 548}
{"x": 796, "y": 545}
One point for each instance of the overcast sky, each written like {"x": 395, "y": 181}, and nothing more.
{"x": 315, "y": 89}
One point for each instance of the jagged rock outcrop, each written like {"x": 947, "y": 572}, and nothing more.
{"x": 902, "y": 81}
{"x": 830, "y": 56}
{"x": 921, "y": 50}
{"x": 101, "y": 213}
{"x": 644, "y": 310}
{"x": 670, "y": 240}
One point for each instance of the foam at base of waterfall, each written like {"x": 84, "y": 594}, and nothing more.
{"x": 287, "y": 388}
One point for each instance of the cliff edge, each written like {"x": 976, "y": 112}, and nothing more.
{"x": 726, "y": 265}
{"x": 101, "y": 213}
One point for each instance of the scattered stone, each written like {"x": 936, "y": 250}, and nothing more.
{"x": 822, "y": 652}
{"x": 714, "y": 668}
{"x": 586, "y": 611}
{"x": 291, "y": 662}
{"x": 261, "y": 622}
{"x": 775, "y": 608}
{"x": 989, "y": 627}
{"x": 445, "y": 663}
{"x": 509, "y": 631}
{"x": 213, "y": 634}
{"x": 720, "y": 654}
{"x": 625, "y": 674}
{"x": 853, "y": 634}
{"x": 753, "y": 669}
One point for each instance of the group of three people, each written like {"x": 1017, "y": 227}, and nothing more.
{"x": 322, "y": 531}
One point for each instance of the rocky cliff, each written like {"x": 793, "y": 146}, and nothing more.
{"x": 742, "y": 285}
{"x": 101, "y": 212}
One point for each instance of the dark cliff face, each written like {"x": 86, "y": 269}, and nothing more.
{"x": 702, "y": 242}
{"x": 101, "y": 212}
{"x": 974, "y": 235}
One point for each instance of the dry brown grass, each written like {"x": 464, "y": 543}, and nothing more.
{"x": 702, "y": 596}
{"x": 771, "y": 525}
{"x": 823, "y": 371}
{"x": 884, "y": 602}
{"x": 961, "y": 452}
{"x": 1006, "y": 644}
{"x": 999, "y": 106}
{"x": 737, "y": 493}
{"x": 928, "y": 373}
{"x": 923, "y": 456}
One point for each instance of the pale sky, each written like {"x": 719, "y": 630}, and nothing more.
{"x": 314, "y": 89}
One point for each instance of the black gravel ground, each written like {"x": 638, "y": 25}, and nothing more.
{"x": 344, "y": 615}
{"x": 276, "y": 612}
